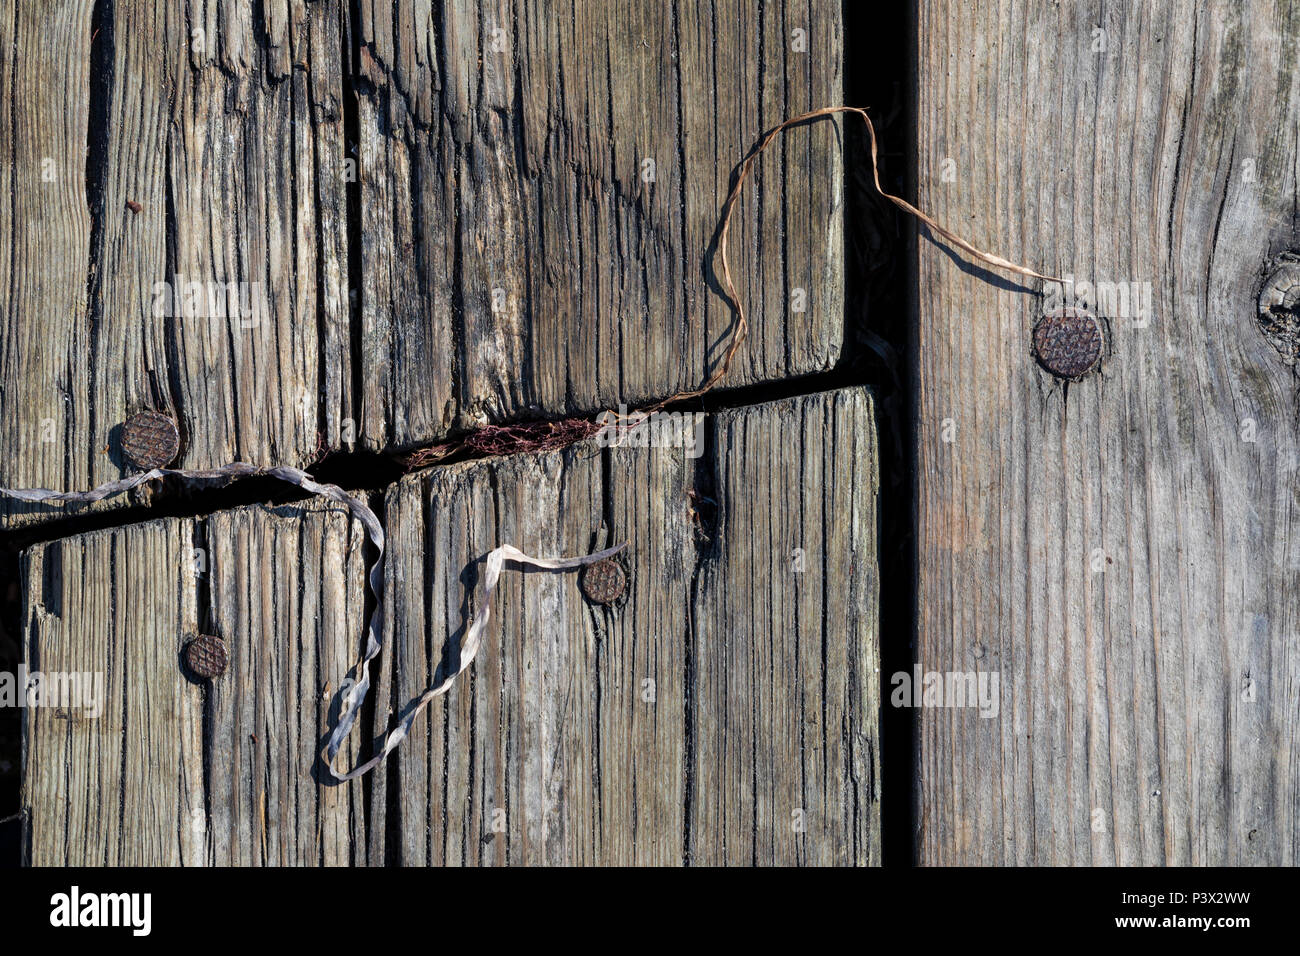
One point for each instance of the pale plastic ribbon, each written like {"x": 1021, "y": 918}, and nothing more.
{"x": 355, "y": 694}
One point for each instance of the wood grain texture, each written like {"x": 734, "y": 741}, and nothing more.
{"x": 43, "y": 215}
{"x": 174, "y": 771}
{"x": 516, "y": 256}
{"x": 726, "y": 714}
{"x": 786, "y": 647}
{"x": 126, "y": 787}
{"x": 515, "y": 259}
{"x": 226, "y": 131}
{"x": 1119, "y": 549}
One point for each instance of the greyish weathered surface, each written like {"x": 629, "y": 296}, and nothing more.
{"x": 46, "y": 229}
{"x": 1121, "y": 551}
{"x": 785, "y": 652}
{"x": 175, "y": 772}
{"x": 536, "y": 191}
{"x": 228, "y": 135}
{"x": 534, "y": 194}
{"x": 725, "y": 714}
{"x": 514, "y": 257}
{"x": 125, "y": 787}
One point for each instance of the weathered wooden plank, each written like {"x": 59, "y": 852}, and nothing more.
{"x": 45, "y": 60}
{"x": 725, "y": 714}
{"x": 173, "y": 771}
{"x": 124, "y": 786}
{"x": 539, "y": 189}
{"x": 498, "y": 773}
{"x": 528, "y": 246}
{"x": 1120, "y": 550}
{"x": 244, "y": 189}
{"x": 189, "y": 253}
{"x": 786, "y": 651}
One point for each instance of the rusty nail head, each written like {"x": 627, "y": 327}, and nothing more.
{"x": 605, "y": 581}
{"x": 206, "y": 656}
{"x": 1067, "y": 342}
{"x": 150, "y": 440}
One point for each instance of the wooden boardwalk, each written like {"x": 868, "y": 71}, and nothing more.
{"x": 725, "y": 713}
{"x": 413, "y": 220}
{"x": 312, "y": 228}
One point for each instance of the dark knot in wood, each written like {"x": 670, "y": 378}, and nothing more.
{"x": 1279, "y": 306}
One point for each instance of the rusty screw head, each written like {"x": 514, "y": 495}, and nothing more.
{"x": 604, "y": 582}
{"x": 206, "y": 656}
{"x": 1279, "y": 307}
{"x": 1067, "y": 342}
{"x": 150, "y": 440}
